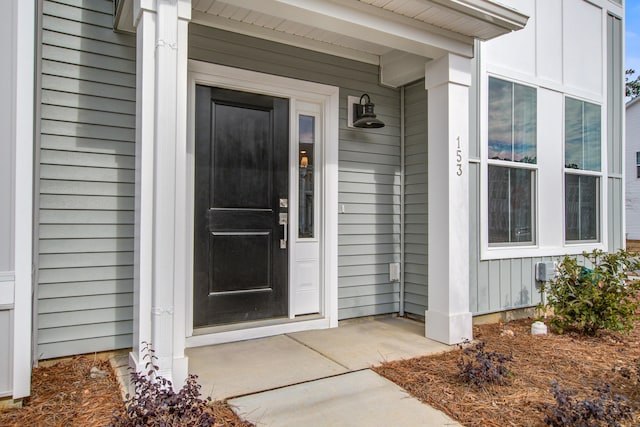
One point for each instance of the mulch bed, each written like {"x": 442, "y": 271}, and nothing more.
{"x": 574, "y": 362}
{"x": 65, "y": 394}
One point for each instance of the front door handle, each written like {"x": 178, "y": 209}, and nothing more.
{"x": 284, "y": 222}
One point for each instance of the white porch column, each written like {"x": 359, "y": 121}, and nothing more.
{"x": 161, "y": 104}
{"x": 448, "y": 318}
{"x": 22, "y": 99}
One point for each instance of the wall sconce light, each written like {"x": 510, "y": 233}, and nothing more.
{"x": 363, "y": 115}
{"x": 304, "y": 160}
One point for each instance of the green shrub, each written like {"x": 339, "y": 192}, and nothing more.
{"x": 590, "y": 299}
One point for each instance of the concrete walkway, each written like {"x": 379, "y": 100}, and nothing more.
{"x": 320, "y": 378}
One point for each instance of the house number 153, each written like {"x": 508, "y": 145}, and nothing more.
{"x": 458, "y": 159}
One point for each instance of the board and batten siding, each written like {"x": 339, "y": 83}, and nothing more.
{"x": 579, "y": 31}
{"x": 415, "y": 200}
{"x": 496, "y": 285}
{"x": 369, "y": 160}
{"x": 615, "y": 148}
{"x": 86, "y": 200}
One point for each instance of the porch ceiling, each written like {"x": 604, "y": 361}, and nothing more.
{"x": 364, "y": 30}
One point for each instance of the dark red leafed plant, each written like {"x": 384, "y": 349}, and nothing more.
{"x": 604, "y": 409}
{"x": 155, "y": 403}
{"x": 480, "y": 367}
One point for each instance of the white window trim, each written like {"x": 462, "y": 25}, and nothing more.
{"x": 546, "y": 243}
{"x": 267, "y": 84}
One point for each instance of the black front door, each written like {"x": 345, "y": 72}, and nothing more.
{"x": 241, "y": 192}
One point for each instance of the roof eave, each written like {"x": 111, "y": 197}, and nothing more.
{"x": 632, "y": 102}
{"x": 500, "y": 16}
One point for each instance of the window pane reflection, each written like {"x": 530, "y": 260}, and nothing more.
{"x": 582, "y": 131}
{"x": 524, "y": 124}
{"x": 572, "y": 134}
{"x": 582, "y": 199}
{"x": 306, "y": 144}
{"x": 592, "y": 133}
{"x": 510, "y": 205}
{"x": 500, "y": 119}
{"x": 512, "y": 122}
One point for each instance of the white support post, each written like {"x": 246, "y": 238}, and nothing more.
{"x": 448, "y": 318}
{"x": 162, "y": 34}
{"x": 23, "y": 96}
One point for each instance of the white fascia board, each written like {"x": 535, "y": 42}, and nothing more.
{"x": 488, "y": 11}
{"x": 368, "y": 23}
{"x": 633, "y": 101}
{"x": 264, "y": 33}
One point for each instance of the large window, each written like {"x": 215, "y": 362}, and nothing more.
{"x": 582, "y": 158}
{"x": 512, "y": 158}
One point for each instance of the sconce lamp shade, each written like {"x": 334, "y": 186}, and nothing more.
{"x": 364, "y": 117}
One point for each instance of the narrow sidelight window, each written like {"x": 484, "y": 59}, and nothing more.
{"x": 306, "y": 176}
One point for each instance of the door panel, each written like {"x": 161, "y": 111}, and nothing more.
{"x": 242, "y": 164}
{"x": 235, "y": 249}
{"x": 240, "y": 267}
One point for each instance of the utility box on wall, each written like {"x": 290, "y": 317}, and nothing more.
{"x": 545, "y": 271}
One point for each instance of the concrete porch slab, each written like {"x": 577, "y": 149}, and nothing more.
{"x": 236, "y": 369}
{"x": 361, "y": 343}
{"x": 361, "y": 398}
{"x": 244, "y": 367}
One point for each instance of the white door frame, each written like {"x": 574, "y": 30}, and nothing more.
{"x": 295, "y": 90}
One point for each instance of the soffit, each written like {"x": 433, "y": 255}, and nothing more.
{"x": 363, "y": 30}
{"x": 448, "y": 15}
{"x": 221, "y": 14}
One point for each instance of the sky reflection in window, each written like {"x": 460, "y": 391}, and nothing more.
{"x": 582, "y": 130}
{"x": 512, "y": 121}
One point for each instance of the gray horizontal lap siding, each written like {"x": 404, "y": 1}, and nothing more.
{"x": 415, "y": 200}
{"x": 85, "y": 284}
{"x": 369, "y": 161}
